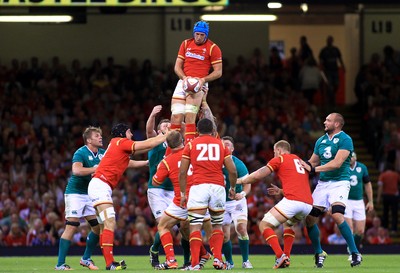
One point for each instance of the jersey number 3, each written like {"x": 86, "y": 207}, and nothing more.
{"x": 208, "y": 152}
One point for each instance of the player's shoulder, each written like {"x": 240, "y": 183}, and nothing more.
{"x": 321, "y": 138}
{"x": 344, "y": 136}
{"x": 236, "y": 160}
{"x": 82, "y": 150}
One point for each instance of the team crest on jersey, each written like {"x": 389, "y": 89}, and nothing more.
{"x": 100, "y": 156}
{"x": 358, "y": 169}
{"x": 90, "y": 157}
{"x": 335, "y": 140}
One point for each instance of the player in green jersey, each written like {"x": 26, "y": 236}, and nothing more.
{"x": 355, "y": 209}
{"x": 77, "y": 202}
{"x": 331, "y": 159}
{"x": 236, "y": 211}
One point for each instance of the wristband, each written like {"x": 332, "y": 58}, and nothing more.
{"x": 243, "y": 193}
{"x": 312, "y": 170}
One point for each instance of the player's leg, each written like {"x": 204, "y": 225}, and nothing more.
{"x": 159, "y": 200}
{"x": 320, "y": 196}
{"x": 288, "y": 238}
{"x": 216, "y": 207}
{"x": 193, "y": 102}
{"x": 197, "y": 207}
{"x": 71, "y": 227}
{"x": 299, "y": 210}
{"x": 227, "y": 245}
{"x": 102, "y": 193}
{"x": 338, "y": 199}
{"x": 272, "y": 219}
{"x": 164, "y": 229}
{"x": 92, "y": 240}
{"x": 359, "y": 221}
{"x": 72, "y": 204}
{"x": 178, "y": 102}
{"x": 207, "y": 228}
{"x": 185, "y": 232}
{"x": 240, "y": 216}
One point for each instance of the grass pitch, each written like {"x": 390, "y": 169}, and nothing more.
{"x": 261, "y": 263}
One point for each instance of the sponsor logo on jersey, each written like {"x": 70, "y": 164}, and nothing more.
{"x": 323, "y": 141}
{"x": 74, "y": 212}
{"x": 90, "y": 157}
{"x": 194, "y": 56}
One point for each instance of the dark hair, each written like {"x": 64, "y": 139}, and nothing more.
{"x": 119, "y": 130}
{"x": 229, "y": 138}
{"x": 165, "y": 120}
{"x": 205, "y": 126}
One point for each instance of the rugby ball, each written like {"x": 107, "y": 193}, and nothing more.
{"x": 191, "y": 85}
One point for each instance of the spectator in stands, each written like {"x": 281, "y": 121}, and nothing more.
{"x": 16, "y": 236}
{"x": 42, "y": 239}
{"x": 373, "y": 231}
{"x": 310, "y": 79}
{"x": 34, "y": 231}
{"x": 388, "y": 195}
{"x": 305, "y": 50}
{"x": 329, "y": 58}
{"x": 382, "y": 238}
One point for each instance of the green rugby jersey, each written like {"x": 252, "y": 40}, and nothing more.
{"x": 241, "y": 170}
{"x": 155, "y": 156}
{"x": 358, "y": 177}
{"x": 326, "y": 149}
{"x": 79, "y": 184}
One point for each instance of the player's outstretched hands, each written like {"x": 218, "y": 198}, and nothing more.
{"x": 156, "y": 109}
{"x": 274, "y": 190}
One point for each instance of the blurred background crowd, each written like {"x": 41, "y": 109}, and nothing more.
{"x": 45, "y": 106}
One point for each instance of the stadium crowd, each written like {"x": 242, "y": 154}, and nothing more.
{"x": 44, "y": 108}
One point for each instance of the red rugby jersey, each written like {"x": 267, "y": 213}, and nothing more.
{"x": 294, "y": 178}
{"x": 206, "y": 154}
{"x": 198, "y": 59}
{"x": 169, "y": 167}
{"x": 115, "y": 161}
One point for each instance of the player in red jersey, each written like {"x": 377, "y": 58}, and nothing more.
{"x": 174, "y": 214}
{"x": 295, "y": 205}
{"x": 207, "y": 155}
{"x": 196, "y": 56}
{"x": 107, "y": 176}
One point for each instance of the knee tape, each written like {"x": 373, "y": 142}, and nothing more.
{"x": 107, "y": 213}
{"x": 315, "y": 212}
{"x": 269, "y": 218}
{"x": 217, "y": 219}
{"x": 338, "y": 209}
{"x": 177, "y": 108}
{"x": 195, "y": 218}
{"x": 190, "y": 108}
{"x": 93, "y": 222}
{"x": 74, "y": 224}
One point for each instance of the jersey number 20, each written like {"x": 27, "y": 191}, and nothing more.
{"x": 208, "y": 152}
